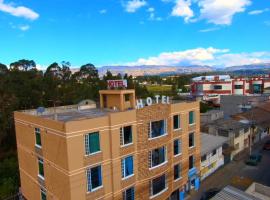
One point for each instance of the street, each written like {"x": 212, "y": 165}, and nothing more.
{"x": 238, "y": 174}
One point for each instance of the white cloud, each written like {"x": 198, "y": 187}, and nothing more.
{"x": 257, "y": 12}
{"x": 103, "y": 11}
{"x": 133, "y": 5}
{"x": 151, "y": 9}
{"x": 24, "y": 27}
{"x": 19, "y": 11}
{"x": 182, "y": 9}
{"x": 204, "y": 56}
{"x": 221, "y": 12}
{"x": 209, "y": 29}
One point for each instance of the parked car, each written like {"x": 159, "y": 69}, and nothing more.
{"x": 254, "y": 159}
{"x": 266, "y": 146}
{"x": 210, "y": 193}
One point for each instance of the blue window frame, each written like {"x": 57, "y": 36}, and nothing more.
{"x": 127, "y": 166}
{"x": 94, "y": 178}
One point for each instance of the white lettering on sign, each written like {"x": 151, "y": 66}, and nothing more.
{"x": 149, "y": 101}
{"x": 117, "y": 84}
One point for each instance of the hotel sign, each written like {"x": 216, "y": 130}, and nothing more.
{"x": 117, "y": 84}
{"x": 149, "y": 101}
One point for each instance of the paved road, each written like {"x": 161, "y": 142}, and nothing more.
{"x": 224, "y": 175}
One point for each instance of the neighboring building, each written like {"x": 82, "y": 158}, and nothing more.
{"x": 237, "y": 133}
{"x": 211, "y": 154}
{"x": 117, "y": 151}
{"x": 234, "y": 104}
{"x": 211, "y": 87}
{"x": 259, "y": 115}
{"x": 211, "y": 116}
{"x": 255, "y": 191}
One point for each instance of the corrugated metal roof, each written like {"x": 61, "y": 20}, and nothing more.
{"x": 211, "y": 142}
{"x": 232, "y": 193}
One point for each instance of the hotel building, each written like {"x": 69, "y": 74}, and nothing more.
{"x": 114, "y": 151}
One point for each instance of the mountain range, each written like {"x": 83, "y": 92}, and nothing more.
{"x": 141, "y": 70}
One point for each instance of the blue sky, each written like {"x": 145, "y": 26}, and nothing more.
{"x": 164, "y": 32}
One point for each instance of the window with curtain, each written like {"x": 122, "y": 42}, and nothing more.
{"x": 191, "y": 117}
{"x": 38, "y": 137}
{"x": 92, "y": 144}
{"x": 158, "y": 128}
{"x": 157, "y": 156}
{"x": 94, "y": 178}
{"x": 40, "y": 167}
{"x": 127, "y": 166}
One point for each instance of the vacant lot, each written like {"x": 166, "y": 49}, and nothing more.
{"x": 159, "y": 89}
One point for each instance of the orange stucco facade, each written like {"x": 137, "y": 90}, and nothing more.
{"x": 65, "y": 161}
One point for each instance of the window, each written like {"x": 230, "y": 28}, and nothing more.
{"x": 158, "y": 128}
{"x": 176, "y": 147}
{"x": 203, "y": 158}
{"x": 191, "y": 162}
{"x": 214, "y": 152}
{"x": 43, "y": 194}
{"x": 158, "y": 185}
{"x": 127, "y": 98}
{"x": 191, "y": 140}
{"x": 127, "y": 166}
{"x": 92, "y": 143}
{"x": 125, "y": 135}
{"x": 176, "y": 122}
{"x": 191, "y": 117}
{"x": 38, "y": 137}
{"x": 94, "y": 178}
{"x": 157, "y": 156}
{"x": 217, "y": 87}
{"x": 238, "y": 87}
{"x": 177, "y": 171}
{"x": 128, "y": 194}
{"x": 40, "y": 167}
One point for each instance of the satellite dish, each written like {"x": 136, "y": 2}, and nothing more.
{"x": 40, "y": 110}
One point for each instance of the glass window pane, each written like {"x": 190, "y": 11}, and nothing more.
{"x": 96, "y": 180}
{"x": 158, "y": 184}
{"x": 176, "y": 124}
{"x": 176, "y": 171}
{"x": 94, "y": 142}
{"x": 128, "y": 194}
{"x": 40, "y": 167}
{"x": 158, "y": 128}
{"x": 38, "y": 137}
{"x": 127, "y": 134}
{"x": 43, "y": 194}
{"x": 176, "y": 147}
{"x": 191, "y": 117}
{"x": 129, "y": 165}
{"x": 158, "y": 156}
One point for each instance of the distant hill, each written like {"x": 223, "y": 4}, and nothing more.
{"x": 154, "y": 69}
{"x": 261, "y": 66}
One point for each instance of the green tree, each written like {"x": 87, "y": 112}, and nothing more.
{"x": 23, "y": 65}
